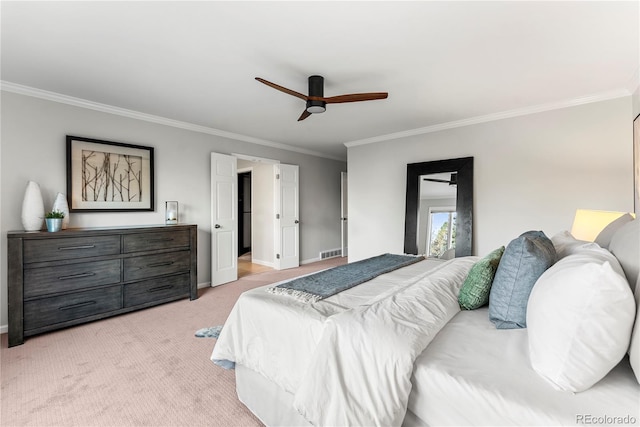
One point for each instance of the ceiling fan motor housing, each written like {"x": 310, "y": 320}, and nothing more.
{"x": 316, "y": 89}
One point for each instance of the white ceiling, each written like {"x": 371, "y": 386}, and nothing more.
{"x": 443, "y": 63}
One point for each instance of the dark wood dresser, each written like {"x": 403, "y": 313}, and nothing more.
{"x": 79, "y": 275}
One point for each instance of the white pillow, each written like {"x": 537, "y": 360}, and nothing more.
{"x": 634, "y": 347}
{"x": 603, "y": 239}
{"x": 625, "y": 245}
{"x": 579, "y": 317}
{"x": 565, "y": 244}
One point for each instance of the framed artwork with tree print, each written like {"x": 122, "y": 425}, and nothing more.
{"x": 109, "y": 176}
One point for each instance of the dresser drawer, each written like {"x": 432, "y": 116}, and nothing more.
{"x": 63, "y": 308}
{"x": 156, "y": 241}
{"x": 72, "y": 277}
{"x": 156, "y": 265}
{"x": 156, "y": 290}
{"x": 70, "y": 248}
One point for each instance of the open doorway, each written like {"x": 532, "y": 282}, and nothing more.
{"x": 255, "y": 215}
{"x": 244, "y": 213}
{"x": 246, "y": 264}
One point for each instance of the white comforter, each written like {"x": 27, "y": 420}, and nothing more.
{"x": 346, "y": 364}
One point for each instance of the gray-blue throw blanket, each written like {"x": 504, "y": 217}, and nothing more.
{"x": 317, "y": 286}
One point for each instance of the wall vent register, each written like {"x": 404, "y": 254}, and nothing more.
{"x": 332, "y": 253}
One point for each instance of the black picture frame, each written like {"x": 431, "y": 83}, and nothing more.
{"x": 636, "y": 165}
{"x": 107, "y": 176}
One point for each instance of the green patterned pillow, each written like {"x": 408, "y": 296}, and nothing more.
{"x": 475, "y": 289}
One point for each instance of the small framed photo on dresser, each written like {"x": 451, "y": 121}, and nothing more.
{"x": 105, "y": 176}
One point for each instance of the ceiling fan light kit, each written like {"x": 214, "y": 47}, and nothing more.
{"x": 316, "y": 101}
{"x": 315, "y": 107}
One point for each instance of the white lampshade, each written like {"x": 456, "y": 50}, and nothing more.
{"x": 587, "y": 224}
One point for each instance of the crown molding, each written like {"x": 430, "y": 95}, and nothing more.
{"x": 105, "y": 108}
{"x": 110, "y": 109}
{"x": 604, "y": 96}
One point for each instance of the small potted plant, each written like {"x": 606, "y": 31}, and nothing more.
{"x": 54, "y": 220}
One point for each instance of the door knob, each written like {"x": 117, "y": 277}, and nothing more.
{"x": 296, "y": 221}
{"x": 218, "y": 226}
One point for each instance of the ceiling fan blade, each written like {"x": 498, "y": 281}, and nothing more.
{"x": 304, "y": 115}
{"x": 353, "y": 97}
{"x": 282, "y": 89}
{"x": 436, "y": 180}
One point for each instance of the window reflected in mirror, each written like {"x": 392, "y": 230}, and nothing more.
{"x": 442, "y": 234}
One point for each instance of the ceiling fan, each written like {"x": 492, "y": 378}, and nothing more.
{"x": 452, "y": 181}
{"x": 316, "y": 101}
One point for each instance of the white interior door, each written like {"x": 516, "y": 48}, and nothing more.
{"x": 344, "y": 213}
{"x": 224, "y": 219}
{"x": 287, "y": 217}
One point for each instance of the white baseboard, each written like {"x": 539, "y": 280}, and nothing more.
{"x": 272, "y": 265}
{"x": 261, "y": 262}
{"x": 311, "y": 260}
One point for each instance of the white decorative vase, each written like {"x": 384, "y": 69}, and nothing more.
{"x": 32, "y": 207}
{"x": 60, "y": 204}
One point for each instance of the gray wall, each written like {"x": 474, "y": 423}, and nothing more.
{"x": 530, "y": 172}
{"x": 33, "y": 134}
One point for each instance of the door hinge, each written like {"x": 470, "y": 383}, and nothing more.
{"x": 277, "y": 256}
{"x": 277, "y": 176}
{"x": 277, "y": 216}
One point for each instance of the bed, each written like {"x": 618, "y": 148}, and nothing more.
{"x": 398, "y": 350}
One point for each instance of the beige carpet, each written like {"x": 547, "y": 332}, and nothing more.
{"x": 140, "y": 369}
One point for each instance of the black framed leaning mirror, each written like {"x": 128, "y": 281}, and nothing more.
{"x": 461, "y": 175}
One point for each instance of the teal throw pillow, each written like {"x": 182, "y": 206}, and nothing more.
{"x": 523, "y": 261}
{"x": 476, "y": 287}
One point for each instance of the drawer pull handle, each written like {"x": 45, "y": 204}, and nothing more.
{"x": 160, "y": 264}
{"x": 71, "y": 248}
{"x": 76, "y": 276}
{"x": 78, "y": 305}
{"x": 160, "y": 288}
